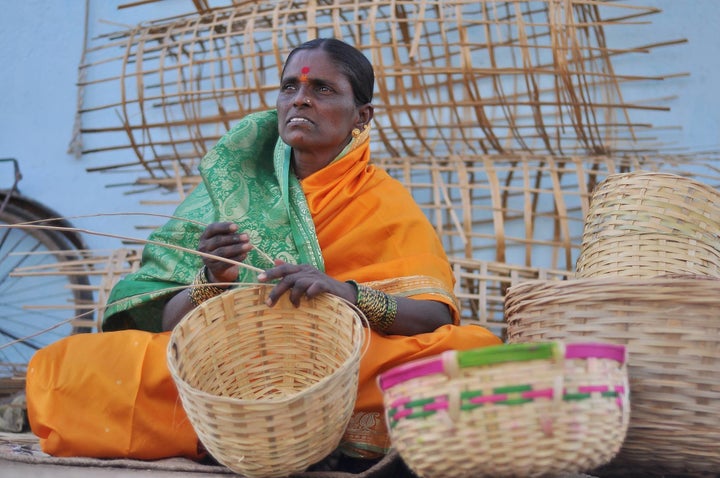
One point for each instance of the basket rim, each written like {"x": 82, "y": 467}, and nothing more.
{"x": 449, "y": 362}
{"x": 687, "y": 289}
{"x": 643, "y": 174}
{"x": 359, "y": 334}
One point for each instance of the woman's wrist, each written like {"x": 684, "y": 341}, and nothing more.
{"x": 379, "y": 308}
{"x": 202, "y": 289}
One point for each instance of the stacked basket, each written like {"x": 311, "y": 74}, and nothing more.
{"x": 269, "y": 391}
{"x": 512, "y": 410}
{"x": 647, "y": 278}
{"x": 646, "y": 224}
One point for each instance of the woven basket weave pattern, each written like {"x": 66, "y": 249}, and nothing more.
{"x": 645, "y": 224}
{"x": 268, "y": 390}
{"x": 479, "y": 422}
{"x": 671, "y": 328}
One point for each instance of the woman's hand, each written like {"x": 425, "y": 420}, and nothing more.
{"x": 413, "y": 316}
{"x": 219, "y": 239}
{"x": 303, "y": 280}
{"x": 223, "y": 239}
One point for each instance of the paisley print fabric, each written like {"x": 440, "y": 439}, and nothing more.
{"x": 246, "y": 179}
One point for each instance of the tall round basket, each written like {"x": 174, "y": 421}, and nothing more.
{"x": 646, "y": 224}
{"x": 671, "y": 327}
{"x": 269, "y": 390}
{"x": 511, "y": 410}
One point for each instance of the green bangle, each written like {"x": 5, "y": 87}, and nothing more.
{"x": 379, "y": 308}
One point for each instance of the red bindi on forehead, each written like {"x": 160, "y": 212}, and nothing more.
{"x": 303, "y": 73}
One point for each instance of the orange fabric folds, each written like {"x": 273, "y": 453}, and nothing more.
{"x": 369, "y": 227}
{"x": 108, "y": 395}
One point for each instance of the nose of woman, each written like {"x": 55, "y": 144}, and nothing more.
{"x": 302, "y": 96}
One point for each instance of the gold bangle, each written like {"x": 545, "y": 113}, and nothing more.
{"x": 379, "y": 308}
{"x": 201, "y": 290}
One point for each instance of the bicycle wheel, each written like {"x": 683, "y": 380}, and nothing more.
{"x": 43, "y": 286}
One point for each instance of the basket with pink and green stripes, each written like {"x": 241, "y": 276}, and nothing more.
{"x": 528, "y": 409}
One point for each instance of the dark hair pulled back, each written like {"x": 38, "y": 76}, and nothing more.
{"x": 351, "y": 62}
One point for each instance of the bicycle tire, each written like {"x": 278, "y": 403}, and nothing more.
{"x": 35, "y": 310}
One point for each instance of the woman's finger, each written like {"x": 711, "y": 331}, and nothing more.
{"x": 280, "y": 271}
{"x": 277, "y": 291}
{"x": 217, "y": 228}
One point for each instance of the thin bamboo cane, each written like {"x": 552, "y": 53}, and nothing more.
{"x": 42, "y": 224}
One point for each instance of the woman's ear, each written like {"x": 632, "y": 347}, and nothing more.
{"x": 365, "y": 114}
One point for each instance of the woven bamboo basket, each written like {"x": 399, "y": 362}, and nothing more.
{"x": 512, "y": 410}
{"x": 643, "y": 224}
{"x": 671, "y": 329}
{"x": 269, "y": 391}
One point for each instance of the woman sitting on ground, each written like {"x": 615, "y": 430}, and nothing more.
{"x": 298, "y": 185}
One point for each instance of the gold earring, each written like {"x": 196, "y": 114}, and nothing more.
{"x": 359, "y": 136}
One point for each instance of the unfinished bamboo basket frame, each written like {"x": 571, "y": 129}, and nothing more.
{"x": 524, "y": 210}
{"x": 644, "y": 224}
{"x": 493, "y": 105}
{"x": 103, "y": 267}
{"x": 452, "y": 77}
{"x": 671, "y": 329}
{"x": 38, "y": 315}
{"x": 481, "y": 286}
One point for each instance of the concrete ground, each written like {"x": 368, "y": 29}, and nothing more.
{"x": 27, "y": 466}
{"x": 13, "y": 469}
